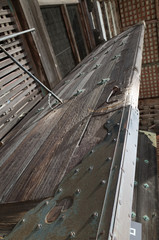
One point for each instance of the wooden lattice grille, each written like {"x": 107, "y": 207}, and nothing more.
{"x": 18, "y": 92}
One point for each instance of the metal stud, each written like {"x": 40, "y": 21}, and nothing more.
{"x": 133, "y": 214}
{"x": 146, "y": 161}
{"x": 77, "y": 191}
{"x": 96, "y": 66}
{"x": 72, "y": 234}
{"x": 77, "y": 170}
{"x": 114, "y": 139}
{"x": 95, "y": 214}
{"x": 109, "y": 133}
{"x": 135, "y": 183}
{"x": 109, "y": 159}
{"x": 59, "y": 190}
{"x": 108, "y": 122}
{"x": 103, "y": 182}
{"x": 90, "y": 168}
{"x": 39, "y": 226}
{"x": 146, "y": 218}
{"x": 104, "y": 80}
{"x": 78, "y": 92}
{"x": 146, "y": 185}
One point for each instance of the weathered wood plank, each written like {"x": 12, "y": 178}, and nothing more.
{"x": 42, "y": 142}
{"x": 57, "y": 2}
{"x": 145, "y": 205}
{"x": 25, "y": 108}
{"x": 31, "y": 15}
{"x": 70, "y": 33}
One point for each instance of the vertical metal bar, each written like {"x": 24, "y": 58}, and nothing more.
{"x": 30, "y": 74}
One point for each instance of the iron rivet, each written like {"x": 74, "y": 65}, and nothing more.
{"x": 146, "y": 218}
{"x": 135, "y": 183}
{"x": 109, "y": 159}
{"x": 90, "y": 168}
{"x": 77, "y": 191}
{"x": 95, "y": 214}
{"x": 146, "y": 185}
{"x": 146, "y": 161}
{"x": 59, "y": 190}
{"x": 76, "y": 170}
{"x": 72, "y": 234}
{"x": 133, "y": 214}
{"x": 39, "y": 226}
{"x": 23, "y": 220}
{"x": 118, "y": 124}
{"x": 103, "y": 182}
{"x": 92, "y": 151}
{"x": 114, "y": 139}
{"x": 109, "y": 133}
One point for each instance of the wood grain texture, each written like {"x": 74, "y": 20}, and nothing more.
{"x": 146, "y": 196}
{"x": 47, "y": 144}
{"x": 16, "y": 88}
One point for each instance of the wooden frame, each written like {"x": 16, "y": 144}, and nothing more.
{"x": 57, "y": 2}
{"x": 70, "y": 33}
{"x": 29, "y": 16}
{"x": 100, "y": 21}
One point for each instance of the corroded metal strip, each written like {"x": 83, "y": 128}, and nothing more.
{"x": 88, "y": 212}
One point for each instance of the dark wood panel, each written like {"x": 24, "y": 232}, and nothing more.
{"x": 47, "y": 144}
{"x": 145, "y": 205}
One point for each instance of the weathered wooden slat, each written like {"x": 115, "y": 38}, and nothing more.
{"x": 8, "y": 61}
{"x": 15, "y": 91}
{"x": 5, "y": 12}
{"x": 9, "y": 106}
{"x": 12, "y": 44}
{"x": 70, "y": 33}
{"x": 7, "y": 28}
{"x": 12, "y": 51}
{"x": 12, "y": 76}
{"x": 12, "y": 67}
{"x": 21, "y": 114}
{"x": 145, "y": 204}
{"x": 6, "y": 20}
{"x": 3, "y": 3}
{"x": 12, "y": 84}
{"x": 45, "y": 146}
{"x": 19, "y": 105}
